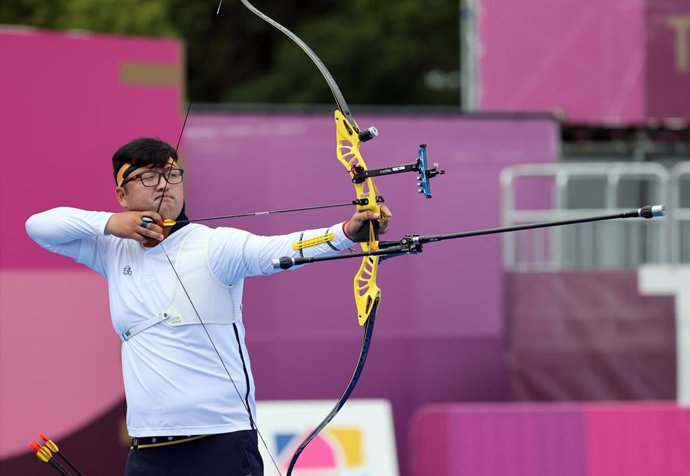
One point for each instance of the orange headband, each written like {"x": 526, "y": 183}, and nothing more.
{"x": 122, "y": 175}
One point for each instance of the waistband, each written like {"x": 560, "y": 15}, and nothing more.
{"x": 156, "y": 441}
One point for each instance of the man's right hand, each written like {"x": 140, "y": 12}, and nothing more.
{"x": 131, "y": 225}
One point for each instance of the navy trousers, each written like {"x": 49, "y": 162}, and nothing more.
{"x": 227, "y": 454}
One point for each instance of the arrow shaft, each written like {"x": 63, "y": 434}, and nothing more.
{"x": 268, "y": 212}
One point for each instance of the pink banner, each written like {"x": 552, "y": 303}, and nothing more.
{"x": 668, "y": 59}
{"x": 599, "y": 61}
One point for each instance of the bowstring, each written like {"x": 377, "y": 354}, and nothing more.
{"x": 203, "y": 324}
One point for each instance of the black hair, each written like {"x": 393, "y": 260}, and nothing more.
{"x": 143, "y": 152}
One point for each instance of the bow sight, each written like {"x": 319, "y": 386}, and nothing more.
{"x": 421, "y": 166}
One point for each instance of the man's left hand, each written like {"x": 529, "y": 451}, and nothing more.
{"x": 360, "y": 219}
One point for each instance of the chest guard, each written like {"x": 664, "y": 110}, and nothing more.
{"x": 214, "y": 301}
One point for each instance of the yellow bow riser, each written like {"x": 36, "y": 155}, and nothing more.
{"x": 367, "y": 292}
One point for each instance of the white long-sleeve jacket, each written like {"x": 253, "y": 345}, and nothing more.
{"x": 174, "y": 382}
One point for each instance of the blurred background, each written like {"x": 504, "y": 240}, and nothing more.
{"x": 556, "y": 351}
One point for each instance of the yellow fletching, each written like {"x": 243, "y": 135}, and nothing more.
{"x": 169, "y": 222}
{"x": 44, "y": 454}
{"x": 300, "y": 245}
{"x": 52, "y": 446}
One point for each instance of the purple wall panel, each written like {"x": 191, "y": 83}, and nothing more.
{"x": 498, "y": 440}
{"x": 614, "y": 343}
{"x": 251, "y": 162}
{"x": 439, "y": 328}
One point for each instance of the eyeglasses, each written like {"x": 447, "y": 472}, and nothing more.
{"x": 152, "y": 178}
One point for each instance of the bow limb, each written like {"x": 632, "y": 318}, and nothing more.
{"x": 366, "y": 342}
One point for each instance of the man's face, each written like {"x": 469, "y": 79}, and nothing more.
{"x": 134, "y": 195}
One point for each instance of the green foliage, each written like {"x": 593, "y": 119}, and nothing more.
{"x": 125, "y": 17}
{"x": 378, "y": 52}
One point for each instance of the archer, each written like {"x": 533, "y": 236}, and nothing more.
{"x": 180, "y": 417}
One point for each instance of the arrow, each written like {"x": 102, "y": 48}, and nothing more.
{"x": 256, "y": 214}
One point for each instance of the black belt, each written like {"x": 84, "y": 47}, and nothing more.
{"x": 155, "y": 441}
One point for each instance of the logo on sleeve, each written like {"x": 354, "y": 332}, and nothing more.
{"x": 127, "y": 270}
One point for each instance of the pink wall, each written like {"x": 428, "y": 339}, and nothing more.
{"x": 591, "y": 439}
{"x": 601, "y": 61}
{"x": 66, "y": 109}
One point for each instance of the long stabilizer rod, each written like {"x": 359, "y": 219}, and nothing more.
{"x": 412, "y": 244}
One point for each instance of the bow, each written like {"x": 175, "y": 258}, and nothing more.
{"x": 348, "y": 139}
{"x": 366, "y": 291}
